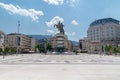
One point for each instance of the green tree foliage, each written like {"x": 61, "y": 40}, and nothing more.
{"x": 119, "y": 49}
{"x": 116, "y": 50}
{"x": 13, "y": 50}
{"x": 110, "y": 49}
{"x": 107, "y": 48}
{"x": 37, "y": 47}
{"x": 6, "y": 50}
{"x": 49, "y": 47}
{"x": 1, "y": 50}
{"x": 41, "y": 48}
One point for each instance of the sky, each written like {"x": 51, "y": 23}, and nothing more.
{"x": 39, "y": 16}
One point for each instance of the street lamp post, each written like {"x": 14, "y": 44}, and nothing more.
{"x": 2, "y": 43}
{"x": 18, "y": 37}
{"x": 3, "y": 50}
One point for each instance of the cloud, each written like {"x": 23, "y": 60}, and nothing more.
{"x": 23, "y": 12}
{"x": 55, "y": 2}
{"x": 71, "y": 3}
{"x": 70, "y": 33}
{"x": 54, "y": 21}
{"x": 74, "y": 22}
{"x": 51, "y": 31}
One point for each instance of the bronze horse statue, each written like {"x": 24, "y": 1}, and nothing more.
{"x": 60, "y": 26}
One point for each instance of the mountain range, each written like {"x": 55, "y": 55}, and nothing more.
{"x": 40, "y": 37}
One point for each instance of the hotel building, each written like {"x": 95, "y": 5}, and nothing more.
{"x": 102, "y": 32}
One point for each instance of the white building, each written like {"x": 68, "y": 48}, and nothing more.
{"x": 104, "y": 31}
{"x": 24, "y": 42}
{"x": 107, "y": 29}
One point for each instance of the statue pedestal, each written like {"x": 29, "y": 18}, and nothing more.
{"x": 60, "y": 42}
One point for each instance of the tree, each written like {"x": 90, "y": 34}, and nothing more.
{"x": 116, "y": 50}
{"x": 49, "y": 47}
{"x": 119, "y": 49}
{"x": 40, "y": 48}
{"x": 107, "y": 49}
{"x": 13, "y": 50}
{"x": 1, "y": 50}
{"x": 37, "y": 47}
{"x": 6, "y": 50}
{"x": 110, "y": 49}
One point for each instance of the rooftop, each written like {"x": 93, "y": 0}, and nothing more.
{"x": 1, "y": 32}
{"x": 19, "y": 34}
{"x": 104, "y": 21}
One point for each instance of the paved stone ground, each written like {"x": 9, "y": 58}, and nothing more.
{"x": 60, "y": 72}
{"x": 60, "y": 67}
{"x": 38, "y": 58}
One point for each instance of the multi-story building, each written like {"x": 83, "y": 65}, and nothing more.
{"x": 21, "y": 41}
{"x": 70, "y": 45}
{"x": 61, "y": 43}
{"x": 2, "y": 37}
{"x": 83, "y": 44}
{"x": 33, "y": 43}
{"x": 104, "y": 31}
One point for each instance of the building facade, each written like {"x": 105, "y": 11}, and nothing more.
{"x": 83, "y": 44}
{"x": 61, "y": 43}
{"x": 21, "y": 41}
{"x": 2, "y": 39}
{"x": 104, "y": 31}
{"x": 33, "y": 44}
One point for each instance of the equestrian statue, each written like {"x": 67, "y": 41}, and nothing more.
{"x": 60, "y": 26}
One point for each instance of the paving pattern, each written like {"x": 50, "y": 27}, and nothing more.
{"x": 40, "y": 58}
{"x": 59, "y": 72}
{"x": 60, "y": 67}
